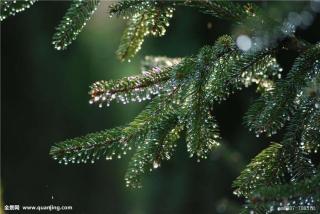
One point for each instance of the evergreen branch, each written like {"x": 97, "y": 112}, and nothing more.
{"x": 282, "y": 174}
{"x": 73, "y": 22}
{"x": 310, "y": 136}
{"x": 302, "y": 193}
{"x": 154, "y": 114}
{"x": 239, "y": 69}
{"x": 202, "y": 130}
{"x": 223, "y": 9}
{"x": 219, "y": 72}
{"x": 271, "y": 111}
{"x": 294, "y": 156}
{"x": 177, "y": 77}
{"x": 303, "y": 113}
{"x": 303, "y": 188}
{"x": 183, "y": 103}
{"x": 297, "y": 164}
{"x": 202, "y": 133}
{"x": 125, "y": 8}
{"x": 158, "y": 146}
{"x": 134, "y": 88}
{"x": 152, "y": 20}
{"x": 219, "y": 69}
{"x": 157, "y": 80}
{"x": 11, "y": 8}
{"x": 264, "y": 170}
{"x": 89, "y": 147}
{"x": 118, "y": 141}
{"x": 303, "y": 129}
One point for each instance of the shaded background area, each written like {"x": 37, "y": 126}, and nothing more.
{"x": 45, "y": 100}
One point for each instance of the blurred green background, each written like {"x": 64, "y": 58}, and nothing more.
{"x": 45, "y": 100}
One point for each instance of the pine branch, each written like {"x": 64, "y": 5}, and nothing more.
{"x": 11, "y": 8}
{"x": 224, "y": 9}
{"x": 311, "y": 133}
{"x": 292, "y": 195}
{"x": 202, "y": 132}
{"x": 291, "y": 162}
{"x": 241, "y": 70}
{"x": 183, "y": 92}
{"x": 134, "y": 88}
{"x": 150, "y": 20}
{"x": 303, "y": 188}
{"x": 294, "y": 155}
{"x": 125, "y": 8}
{"x": 113, "y": 142}
{"x": 158, "y": 146}
{"x": 183, "y": 103}
{"x": 73, "y": 22}
{"x": 264, "y": 170}
{"x": 90, "y": 147}
{"x": 272, "y": 110}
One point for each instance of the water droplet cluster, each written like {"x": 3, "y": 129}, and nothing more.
{"x": 150, "y": 153}
{"x": 11, "y": 8}
{"x": 264, "y": 168}
{"x": 278, "y": 104}
{"x": 105, "y": 144}
{"x": 186, "y": 93}
{"x": 309, "y": 100}
{"x": 236, "y": 70}
{"x": 202, "y": 132}
{"x": 150, "y": 19}
{"x": 135, "y": 88}
{"x": 73, "y": 22}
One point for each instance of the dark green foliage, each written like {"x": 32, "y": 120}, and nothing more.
{"x": 271, "y": 111}
{"x": 294, "y": 100}
{"x": 183, "y": 104}
{"x": 127, "y": 7}
{"x": 303, "y": 188}
{"x": 265, "y": 169}
{"x": 298, "y": 197}
{"x": 223, "y": 9}
{"x": 158, "y": 146}
{"x": 202, "y": 134}
{"x": 11, "y": 8}
{"x": 88, "y": 148}
{"x": 73, "y": 22}
{"x": 184, "y": 91}
{"x": 149, "y": 20}
{"x": 310, "y": 136}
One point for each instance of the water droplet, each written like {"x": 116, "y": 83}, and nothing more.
{"x": 156, "y": 165}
